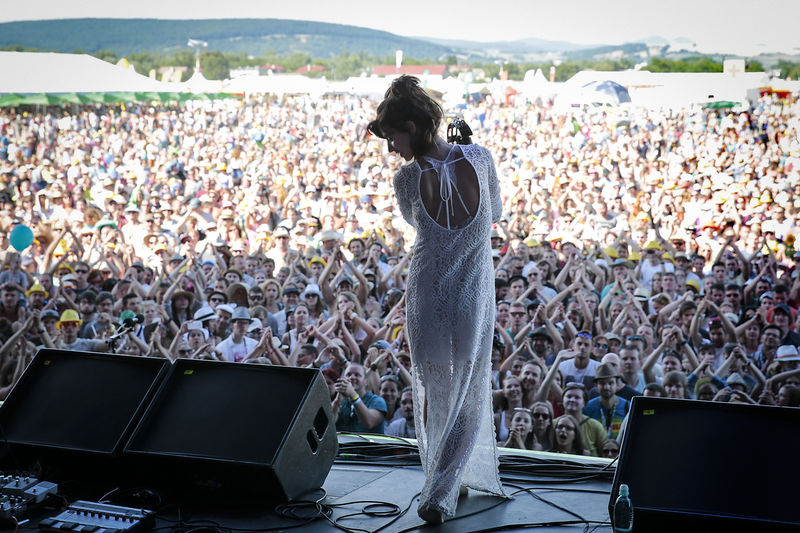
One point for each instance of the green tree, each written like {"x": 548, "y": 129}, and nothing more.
{"x": 754, "y": 66}
{"x": 182, "y": 58}
{"x": 106, "y": 55}
{"x": 689, "y": 64}
{"x": 215, "y": 65}
{"x": 144, "y": 62}
{"x": 788, "y": 69}
{"x": 566, "y": 70}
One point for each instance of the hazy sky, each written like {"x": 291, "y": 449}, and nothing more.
{"x": 715, "y": 25}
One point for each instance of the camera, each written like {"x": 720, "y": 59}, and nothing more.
{"x": 459, "y": 132}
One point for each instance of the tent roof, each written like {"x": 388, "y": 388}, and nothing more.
{"x": 644, "y": 78}
{"x": 32, "y": 72}
{"x": 275, "y": 84}
{"x": 199, "y": 83}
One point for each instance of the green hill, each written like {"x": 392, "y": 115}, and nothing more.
{"x": 252, "y": 36}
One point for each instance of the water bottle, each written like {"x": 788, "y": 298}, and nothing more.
{"x": 623, "y": 511}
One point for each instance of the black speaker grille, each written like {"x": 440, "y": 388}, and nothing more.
{"x": 711, "y": 458}
{"x": 223, "y": 411}
{"x": 78, "y": 400}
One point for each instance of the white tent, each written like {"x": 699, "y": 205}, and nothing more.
{"x": 369, "y": 86}
{"x": 200, "y": 84}
{"x": 536, "y": 86}
{"x": 32, "y": 73}
{"x": 275, "y": 84}
{"x": 672, "y": 89}
{"x": 784, "y": 85}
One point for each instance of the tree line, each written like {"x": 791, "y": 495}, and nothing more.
{"x": 217, "y": 65}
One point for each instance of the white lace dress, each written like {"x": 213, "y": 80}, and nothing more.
{"x": 450, "y": 321}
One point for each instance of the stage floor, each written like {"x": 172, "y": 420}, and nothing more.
{"x": 569, "y": 493}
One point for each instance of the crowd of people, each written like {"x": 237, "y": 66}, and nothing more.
{"x": 644, "y": 252}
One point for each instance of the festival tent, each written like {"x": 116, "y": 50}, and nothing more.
{"x": 667, "y": 89}
{"x": 535, "y": 87}
{"x": 33, "y": 73}
{"x": 50, "y": 79}
{"x": 780, "y": 88}
{"x": 198, "y": 83}
{"x": 367, "y": 86}
{"x": 279, "y": 84}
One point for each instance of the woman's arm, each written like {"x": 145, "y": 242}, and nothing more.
{"x": 509, "y": 361}
{"x": 351, "y": 343}
{"x": 507, "y": 340}
{"x": 650, "y": 362}
{"x": 561, "y": 296}
{"x": 548, "y": 382}
{"x": 328, "y": 294}
{"x": 694, "y": 328}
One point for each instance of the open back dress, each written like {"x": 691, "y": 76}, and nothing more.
{"x": 450, "y": 322}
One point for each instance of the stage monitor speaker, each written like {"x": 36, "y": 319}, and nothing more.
{"x": 239, "y": 429}
{"x": 69, "y": 404}
{"x": 710, "y": 466}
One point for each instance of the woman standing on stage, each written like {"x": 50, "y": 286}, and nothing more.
{"x": 450, "y": 194}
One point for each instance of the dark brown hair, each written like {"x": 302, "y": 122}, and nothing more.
{"x": 405, "y": 101}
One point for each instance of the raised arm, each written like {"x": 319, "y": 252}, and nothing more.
{"x": 549, "y": 379}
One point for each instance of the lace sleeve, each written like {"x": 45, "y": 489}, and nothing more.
{"x": 401, "y": 188}
{"x": 494, "y": 188}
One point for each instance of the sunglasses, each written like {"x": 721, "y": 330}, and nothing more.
{"x": 517, "y": 313}
{"x": 81, "y": 271}
{"x": 216, "y": 300}
{"x": 603, "y": 346}
{"x": 634, "y": 338}
{"x": 184, "y": 352}
{"x": 584, "y": 334}
{"x": 543, "y": 416}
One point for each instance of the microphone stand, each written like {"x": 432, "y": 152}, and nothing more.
{"x": 112, "y": 340}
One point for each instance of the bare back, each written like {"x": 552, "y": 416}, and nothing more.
{"x": 464, "y": 197}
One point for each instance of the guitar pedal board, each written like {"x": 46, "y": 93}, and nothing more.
{"x": 92, "y": 517}
{"x": 19, "y": 493}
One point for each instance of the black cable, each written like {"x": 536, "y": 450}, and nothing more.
{"x": 531, "y": 525}
{"x": 402, "y": 514}
{"x": 548, "y": 502}
{"x": 563, "y": 469}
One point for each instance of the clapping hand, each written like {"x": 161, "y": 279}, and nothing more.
{"x": 345, "y": 388}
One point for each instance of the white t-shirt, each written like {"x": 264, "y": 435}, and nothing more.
{"x": 236, "y": 352}
{"x": 647, "y": 271}
{"x": 568, "y": 369}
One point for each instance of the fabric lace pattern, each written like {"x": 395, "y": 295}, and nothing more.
{"x": 450, "y": 321}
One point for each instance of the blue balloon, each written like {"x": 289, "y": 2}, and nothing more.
{"x": 20, "y": 237}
